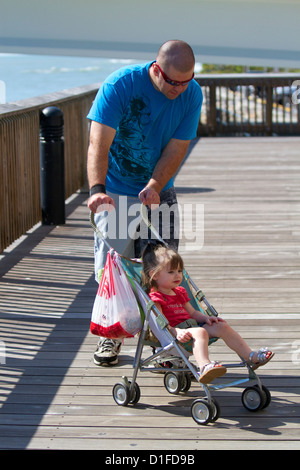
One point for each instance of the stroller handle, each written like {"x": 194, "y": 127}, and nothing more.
{"x": 144, "y": 215}
{"x": 93, "y": 224}
{"x": 97, "y": 230}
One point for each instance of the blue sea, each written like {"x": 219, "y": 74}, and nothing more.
{"x": 25, "y": 76}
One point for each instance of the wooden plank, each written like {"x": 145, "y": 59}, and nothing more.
{"x": 117, "y": 446}
{"x": 52, "y": 396}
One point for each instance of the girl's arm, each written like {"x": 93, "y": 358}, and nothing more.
{"x": 182, "y": 335}
{"x": 199, "y": 316}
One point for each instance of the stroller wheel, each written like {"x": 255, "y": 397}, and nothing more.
{"x": 202, "y": 411}
{"x": 216, "y": 410}
{"x": 186, "y": 382}
{"x": 121, "y": 394}
{"x": 135, "y": 394}
{"x": 267, "y": 396}
{"x": 253, "y": 398}
{"x": 173, "y": 382}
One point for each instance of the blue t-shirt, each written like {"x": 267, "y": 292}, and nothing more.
{"x": 145, "y": 120}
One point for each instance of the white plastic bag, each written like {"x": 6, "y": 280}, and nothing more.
{"x": 115, "y": 312}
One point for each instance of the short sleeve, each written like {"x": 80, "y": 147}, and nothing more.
{"x": 158, "y": 297}
{"x": 187, "y": 129}
{"x": 182, "y": 293}
{"x": 107, "y": 107}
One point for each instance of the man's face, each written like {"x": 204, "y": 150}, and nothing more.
{"x": 163, "y": 76}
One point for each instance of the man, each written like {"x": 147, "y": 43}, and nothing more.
{"x": 142, "y": 121}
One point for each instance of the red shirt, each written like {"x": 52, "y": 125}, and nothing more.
{"x": 172, "y": 305}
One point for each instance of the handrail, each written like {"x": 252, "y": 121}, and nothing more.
{"x": 250, "y": 104}
{"x": 50, "y": 99}
{"x": 20, "y": 207}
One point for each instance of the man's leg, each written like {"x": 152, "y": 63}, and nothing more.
{"x": 115, "y": 228}
{"x": 126, "y": 235}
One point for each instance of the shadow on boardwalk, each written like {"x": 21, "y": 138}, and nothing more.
{"x": 54, "y": 397}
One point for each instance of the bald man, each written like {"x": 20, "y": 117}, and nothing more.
{"x": 142, "y": 121}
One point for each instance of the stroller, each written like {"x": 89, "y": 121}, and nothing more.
{"x": 169, "y": 357}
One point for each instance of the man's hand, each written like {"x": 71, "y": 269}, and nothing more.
{"x": 149, "y": 196}
{"x": 100, "y": 202}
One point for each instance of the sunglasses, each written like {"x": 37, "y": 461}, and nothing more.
{"x": 169, "y": 80}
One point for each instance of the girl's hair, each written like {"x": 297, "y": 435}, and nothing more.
{"x": 155, "y": 257}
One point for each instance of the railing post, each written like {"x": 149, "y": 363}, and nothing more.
{"x": 52, "y": 167}
{"x": 269, "y": 109}
{"x": 212, "y": 127}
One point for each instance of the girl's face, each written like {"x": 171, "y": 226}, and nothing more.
{"x": 167, "y": 279}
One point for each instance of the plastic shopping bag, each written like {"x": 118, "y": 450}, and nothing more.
{"x": 115, "y": 312}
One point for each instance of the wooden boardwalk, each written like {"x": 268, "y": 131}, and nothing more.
{"x": 52, "y": 394}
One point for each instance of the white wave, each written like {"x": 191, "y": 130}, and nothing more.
{"x": 9, "y": 54}
{"x": 51, "y": 70}
{"x": 122, "y": 61}
{"x": 91, "y": 68}
{"x": 198, "y": 67}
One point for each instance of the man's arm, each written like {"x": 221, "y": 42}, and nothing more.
{"x": 169, "y": 162}
{"x": 101, "y": 137}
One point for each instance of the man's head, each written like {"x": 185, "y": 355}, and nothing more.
{"x": 173, "y": 69}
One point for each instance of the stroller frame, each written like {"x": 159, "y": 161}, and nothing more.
{"x": 178, "y": 377}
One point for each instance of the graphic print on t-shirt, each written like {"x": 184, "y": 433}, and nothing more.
{"x": 130, "y": 156}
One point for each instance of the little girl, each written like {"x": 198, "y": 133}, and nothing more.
{"x": 162, "y": 276}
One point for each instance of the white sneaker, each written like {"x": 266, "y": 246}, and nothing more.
{"x": 107, "y": 352}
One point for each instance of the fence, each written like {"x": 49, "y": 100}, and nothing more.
{"x": 249, "y": 104}
{"x": 20, "y": 206}
{"x": 243, "y": 104}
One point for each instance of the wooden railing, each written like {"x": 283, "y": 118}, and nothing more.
{"x": 20, "y": 207}
{"x": 243, "y": 104}
{"x": 249, "y": 104}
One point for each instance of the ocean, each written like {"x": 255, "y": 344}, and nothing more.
{"x": 26, "y": 76}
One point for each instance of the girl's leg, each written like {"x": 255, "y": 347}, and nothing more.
{"x": 232, "y": 339}
{"x": 200, "y": 345}
{"x": 208, "y": 370}
{"x": 235, "y": 342}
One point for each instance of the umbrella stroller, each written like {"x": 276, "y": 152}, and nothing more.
{"x": 166, "y": 349}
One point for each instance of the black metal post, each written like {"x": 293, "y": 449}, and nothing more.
{"x": 52, "y": 166}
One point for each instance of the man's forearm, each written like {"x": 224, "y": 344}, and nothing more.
{"x": 165, "y": 169}
{"x": 168, "y": 164}
{"x": 96, "y": 168}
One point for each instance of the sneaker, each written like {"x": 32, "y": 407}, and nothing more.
{"x": 107, "y": 352}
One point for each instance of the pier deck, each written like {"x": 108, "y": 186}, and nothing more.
{"x": 52, "y": 394}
